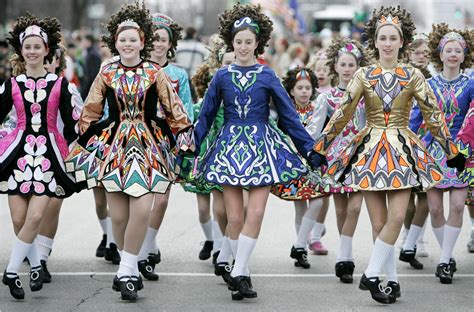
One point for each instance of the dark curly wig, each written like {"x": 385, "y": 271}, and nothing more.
{"x": 201, "y": 79}
{"x": 227, "y": 19}
{"x": 435, "y": 37}
{"x": 290, "y": 81}
{"x": 332, "y": 55}
{"x": 50, "y": 25}
{"x": 407, "y": 26}
{"x": 140, "y": 15}
{"x": 423, "y": 69}
{"x": 175, "y": 34}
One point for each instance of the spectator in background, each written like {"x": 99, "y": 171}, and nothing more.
{"x": 92, "y": 63}
{"x": 298, "y": 55}
{"x": 190, "y": 52}
{"x": 281, "y": 59}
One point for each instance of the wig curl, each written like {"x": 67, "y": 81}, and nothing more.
{"x": 407, "y": 27}
{"x": 332, "y": 55}
{"x": 50, "y": 25}
{"x": 139, "y": 14}
{"x": 437, "y": 33}
{"x": 227, "y": 19}
{"x": 291, "y": 79}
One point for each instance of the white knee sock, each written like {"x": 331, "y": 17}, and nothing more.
{"x": 422, "y": 234}
{"x": 378, "y": 258}
{"x": 472, "y": 224}
{"x": 297, "y": 227}
{"x": 19, "y": 252}
{"x": 439, "y": 232}
{"x": 43, "y": 246}
{"x": 216, "y": 237}
{"x": 450, "y": 237}
{"x": 149, "y": 238}
{"x": 391, "y": 266}
{"x": 127, "y": 264}
{"x": 307, "y": 225}
{"x": 246, "y": 245}
{"x": 412, "y": 237}
{"x": 226, "y": 251}
{"x": 207, "y": 229}
{"x": 33, "y": 256}
{"x": 103, "y": 225}
{"x": 345, "y": 249}
{"x": 317, "y": 231}
{"x": 234, "y": 244}
{"x": 110, "y": 233}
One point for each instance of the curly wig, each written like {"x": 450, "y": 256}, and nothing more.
{"x": 175, "y": 34}
{"x": 437, "y": 33}
{"x": 140, "y": 15}
{"x": 407, "y": 26}
{"x": 332, "y": 55}
{"x": 50, "y": 25}
{"x": 291, "y": 79}
{"x": 227, "y": 19}
{"x": 201, "y": 79}
{"x": 423, "y": 69}
{"x": 18, "y": 65}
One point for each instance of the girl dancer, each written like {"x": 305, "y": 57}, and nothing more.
{"x": 166, "y": 36}
{"x": 344, "y": 58}
{"x": 129, "y": 153}
{"x": 450, "y": 51}
{"x": 385, "y": 160}
{"x": 248, "y": 152}
{"x": 301, "y": 84}
{"x": 31, "y": 156}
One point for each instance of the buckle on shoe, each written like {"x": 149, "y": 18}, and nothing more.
{"x": 18, "y": 283}
{"x": 228, "y": 268}
{"x": 149, "y": 269}
{"x": 130, "y": 286}
{"x": 34, "y": 275}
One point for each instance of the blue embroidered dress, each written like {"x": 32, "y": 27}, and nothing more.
{"x": 249, "y": 151}
{"x": 453, "y": 98}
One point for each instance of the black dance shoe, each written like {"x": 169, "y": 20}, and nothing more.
{"x": 128, "y": 289}
{"x": 445, "y": 273}
{"x": 100, "y": 251}
{"x": 14, "y": 283}
{"x": 223, "y": 269}
{"x": 47, "y": 275}
{"x": 301, "y": 257}
{"x": 111, "y": 254}
{"x": 214, "y": 257}
{"x": 344, "y": 271}
{"x": 36, "y": 278}
{"x": 393, "y": 290}
{"x": 243, "y": 286}
{"x": 377, "y": 290}
{"x": 409, "y": 256}
{"x": 206, "y": 250}
{"x": 138, "y": 280}
{"x": 147, "y": 270}
{"x": 154, "y": 259}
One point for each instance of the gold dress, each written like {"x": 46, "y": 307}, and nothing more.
{"x": 386, "y": 154}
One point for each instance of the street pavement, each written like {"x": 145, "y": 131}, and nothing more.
{"x": 82, "y": 282}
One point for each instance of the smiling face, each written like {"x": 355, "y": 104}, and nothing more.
{"x": 129, "y": 45}
{"x": 452, "y": 55}
{"x": 34, "y": 51}
{"x": 345, "y": 67}
{"x": 302, "y": 92}
{"x": 388, "y": 43}
{"x": 245, "y": 43}
{"x": 161, "y": 45}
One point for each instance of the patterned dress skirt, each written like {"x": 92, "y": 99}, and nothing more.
{"x": 381, "y": 159}
{"x": 250, "y": 155}
{"x": 450, "y": 177}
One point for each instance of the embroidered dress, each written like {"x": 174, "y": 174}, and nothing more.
{"x": 453, "y": 98}
{"x": 249, "y": 151}
{"x": 386, "y": 154}
{"x": 42, "y": 124}
{"x": 465, "y": 137}
{"x": 333, "y": 100}
{"x": 130, "y": 151}
{"x": 180, "y": 82}
{"x": 312, "y": 117}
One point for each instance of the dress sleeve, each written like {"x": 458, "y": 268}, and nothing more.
{"x": 320, "y": 113}
{"x": 465, "y": 137}
{"x": 70, "y": 108}
{"x": 6, "y": 101}
{"x": 416, "y": 118}
{"x": 209, "y": 108}
{"x": 433, "y": 116}
{"x": 94, "y": 104}
{"x": 185, "y": 95}
{"x": 342, "y": 115}
{"x": 288, "y": 118}
{"x": 176, "y": 116}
